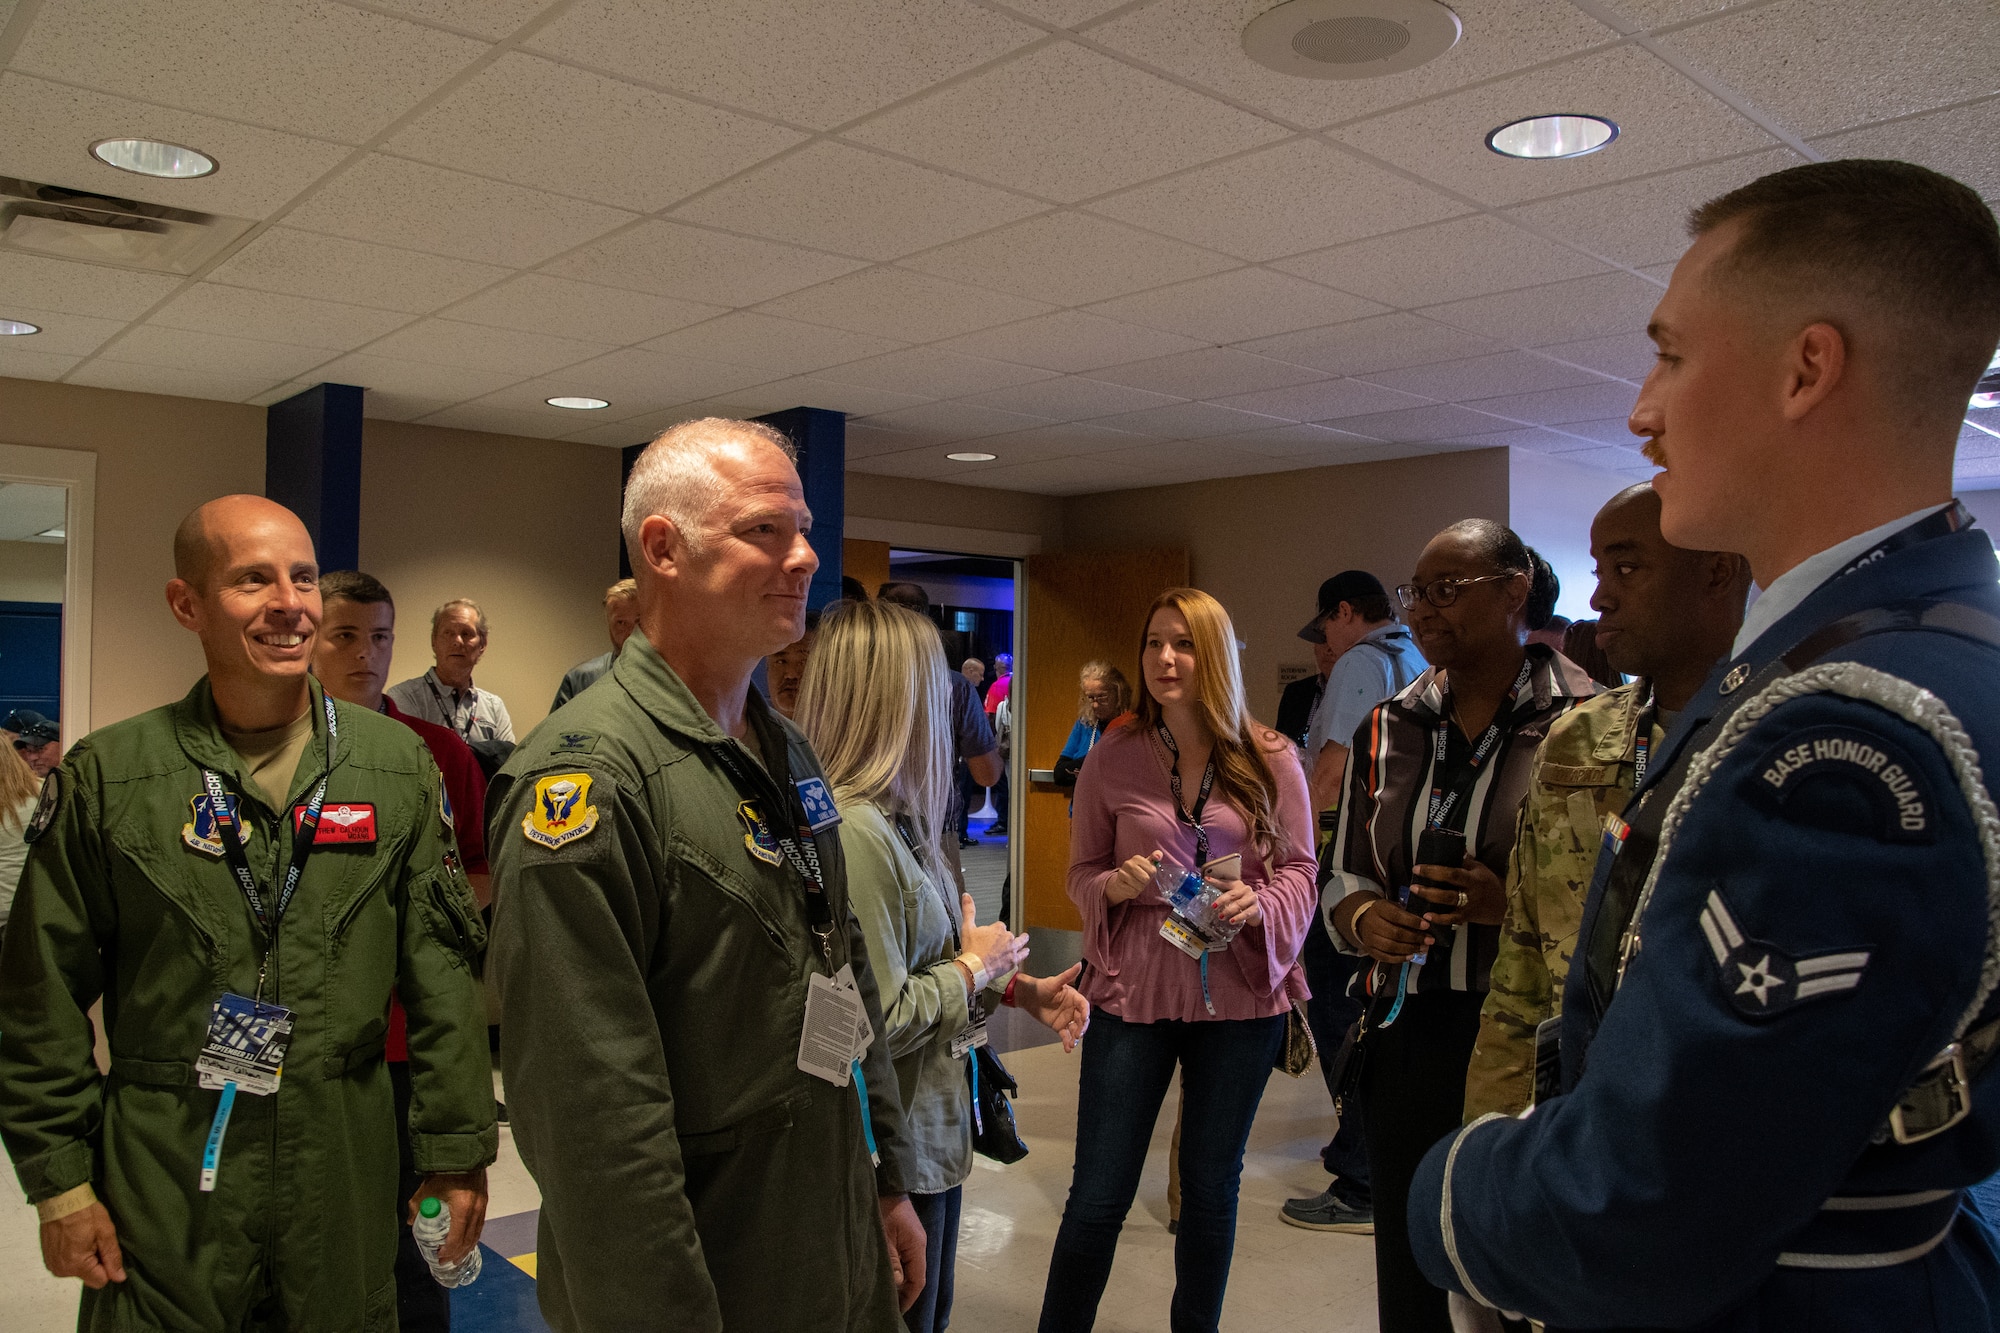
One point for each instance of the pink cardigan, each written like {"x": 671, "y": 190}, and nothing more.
{"x": 1124, "y": 808}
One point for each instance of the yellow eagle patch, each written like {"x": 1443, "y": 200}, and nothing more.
{"x": 561, "y": 813}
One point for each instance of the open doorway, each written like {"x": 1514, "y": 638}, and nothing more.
{"x": 973, "y": 598}
{"x": 47, "y": 503}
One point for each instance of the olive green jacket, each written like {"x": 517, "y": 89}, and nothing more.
{"x": 116, "y": 903}
{"x": 1582, "y": 776}
{"x": 653, "y": 972}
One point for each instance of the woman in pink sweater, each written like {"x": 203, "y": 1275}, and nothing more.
{"x": 1195, "y": 781}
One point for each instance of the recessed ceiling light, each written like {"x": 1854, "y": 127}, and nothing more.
{"x": 16, "y": 328}
{"x": 1350, "y": 39}
{"x": 150, "y": 157}
{"x": 972, "y": 457}
{"x": 1552, "y": 136}
{"x": 578, "y": 404}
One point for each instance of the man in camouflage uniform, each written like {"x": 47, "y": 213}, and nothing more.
{"x": 1667, "y": 615}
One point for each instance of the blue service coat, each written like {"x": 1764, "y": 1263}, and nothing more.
{"x": 1815, "y": 936}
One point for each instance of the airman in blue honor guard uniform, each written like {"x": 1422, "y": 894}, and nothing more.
{"x": 1778, "y": 1029}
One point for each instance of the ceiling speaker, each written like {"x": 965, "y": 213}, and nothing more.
{"x": 1350, "y": 39}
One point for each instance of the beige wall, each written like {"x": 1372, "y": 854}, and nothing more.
{"x": 1262, "y": 545}
{"x": 157, "y": 458}
{"x": 32, "y": 571}
{"x": 526, "y": 528}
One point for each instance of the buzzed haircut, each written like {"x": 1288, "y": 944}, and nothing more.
{"x": 1497, "y": 544}
{"x": 353, "y": 586}
{"x": 911, "y": 595}
{"x": 675, "y": 477}
{"x": 1918, "y": 246}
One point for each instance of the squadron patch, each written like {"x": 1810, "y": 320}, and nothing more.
{"x": 45, "y": 808}
{"x": 562, "y": 812}
{"x": 444, "y": 807}
{"x": 1834, "y": 777}
{"x": 1761, "y": 979}
{"x": 821, "y": 812}
{"x": 200, "y": 833}
{"x": 763, "y": 844}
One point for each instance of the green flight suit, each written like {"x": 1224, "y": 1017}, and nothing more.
{"x": 653, "y": 971}
{"x": 117, "y": 902}
{"x": 1581, "y": 778}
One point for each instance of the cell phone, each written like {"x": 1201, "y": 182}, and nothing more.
{"x": 1440, "y": 847}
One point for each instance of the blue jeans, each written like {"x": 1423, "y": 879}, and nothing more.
{"x": 939, "y": 1215}
{"x": 1123, "y": 1080}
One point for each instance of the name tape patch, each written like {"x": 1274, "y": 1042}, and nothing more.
{"x": 1859, "y": 761}
{"x": 351, "y": 822}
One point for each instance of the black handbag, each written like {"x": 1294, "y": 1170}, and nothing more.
{"x": 993, "y": 1132}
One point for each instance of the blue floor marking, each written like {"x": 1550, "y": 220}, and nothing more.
{"x": 501, "y": 1301}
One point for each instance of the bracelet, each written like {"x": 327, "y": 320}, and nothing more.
{"x": 1354, "y": 922}
{"x": 976, "y": 965}
{"x": 69, "y": 1201}
{"x": 1007, "y": 996}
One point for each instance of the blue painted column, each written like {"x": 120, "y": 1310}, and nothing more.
{"x": 821, "y": 438}
{"x": 312, "y": 466}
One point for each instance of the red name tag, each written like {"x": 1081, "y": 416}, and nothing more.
{"x": 350, "y": 822}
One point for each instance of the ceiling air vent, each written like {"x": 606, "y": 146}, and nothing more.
{"x": 1350, "y": 39}
{"x": 60, "y": 223}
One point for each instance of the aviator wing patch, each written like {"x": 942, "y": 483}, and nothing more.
{"x": 1761, "y": 979}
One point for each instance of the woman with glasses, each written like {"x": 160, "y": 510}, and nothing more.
{"x": 875, "y": 703}
{"x": 1105, "y": 701}
{"x": 1194, "y": 781}
{"x": 1451, "y": 753}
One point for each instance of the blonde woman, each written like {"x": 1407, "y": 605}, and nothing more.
{"x": 875, "y": 703}
{"x": 19, "y": 790}
{"x": 1194, "y": 779}
{"x": 1104, "y": 701}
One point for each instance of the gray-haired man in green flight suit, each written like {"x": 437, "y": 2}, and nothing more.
{"x": 695, "y": 1068}
{"x": 242, "y": 877}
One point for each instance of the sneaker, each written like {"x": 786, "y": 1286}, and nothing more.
{"x": 1326, "y": 1212}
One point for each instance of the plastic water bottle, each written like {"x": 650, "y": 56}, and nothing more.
{"x": 1193, "y": 899}
{"x": 433, "y": 1224}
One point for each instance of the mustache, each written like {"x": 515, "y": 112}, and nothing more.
{"x": 1655, "y": 452}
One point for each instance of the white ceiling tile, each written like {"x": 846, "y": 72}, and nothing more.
{"x": 948, "y": 422}
{"x": 636, "y": 378}
{"x": 1300, "y": 441}
{"x": 531, "y": 397}
{"x": 552, "y": 126}
{"x": 214, "y": 354}
{"x": 332, "y": 268}
{"x": 447, "y": 342}
{"x": 1819, "y": 67}
{"x": 896, "y": 303}
{"x": 696, "y": 264}
{"x": 1324, "y": 400}
{"x": 1365, "y": 346}
{"x": 134, "y": 377}
{"x": 381, "y": 405}
{"x": 1645, "y": 221}
{"x": 1241, "y": 304}
{"x": 398, "y": 202}
{"x": 1068, "y": 258}
{"x": 1471, "y": 256}
{"x": 1535, "y": 439}
{"x": 80, "y": 289}
{"x": 1189, "y": 421}
{"x": 1423, "y": 424}
{"x": 865, "y": 440}
{"x": 1212, "y": 372}
{"x": 1279, "y": 201}
{"x": 399, "y": 383}
{"x": 289, "y": 389}
{"x": 50, "y": 124}
{"x": 1625, "y": 356}
{"x": 854, "y": 399}
{"x": 1202, "y": 40}
{"x": 1070, "y": 340}
{"x": 1483, "y": 377}
{"x": 928, "y": 372}
{"x": 831, "y": 196}
{"x": 61, "y": 334}
{"x": 926, "y": 463}
{"x": 1057, "y": 441}
{"x": 1553, "y": 407}
{"x": 616, "y": 435}
{"x": 1559, "y": 312}
{"x": 817, "y": 65}
{"x": 1060, "y": 476}
{"x": 1958, "y": 142}
{"x": 1664, "y": 121}
{"x": 1622, "y": 462}
{"x": 1189, "y": 460}
{"x": 1072, "y": 398}
{"x": 243, "y": 312}
{"x": 491, "y": 19}
{"x": 1659, "y": 13}
{"x": 1065, "y": 123}
{"x": 1064, "y": 13}
{"x": 1611, "y": 431}
{"x": 298, "y": 65}
{"x": 25, "y": 363}
{"x": 498, "y": 420}
{"x": 781, "y": 346}
{"x": 538, "y": 303}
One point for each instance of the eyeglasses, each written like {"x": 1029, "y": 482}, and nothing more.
{"x": 1443, "y": 592}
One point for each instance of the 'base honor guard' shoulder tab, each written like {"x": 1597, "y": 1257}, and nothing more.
{"x": 45, "y": 808}
{"x": 1846, "y": 779}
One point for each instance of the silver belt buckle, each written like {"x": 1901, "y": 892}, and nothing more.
{"x": 1952, "y": 1060}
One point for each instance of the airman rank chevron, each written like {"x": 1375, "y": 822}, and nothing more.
{"x": 562, "y": 812}
{"x": 1806, "y": 776}
{"x": 1761, "y": 979}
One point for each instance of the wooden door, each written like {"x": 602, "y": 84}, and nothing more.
{"x": 1079, "y": 606}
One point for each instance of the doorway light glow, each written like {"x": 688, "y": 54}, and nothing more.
{"x": 1563, "y": 135}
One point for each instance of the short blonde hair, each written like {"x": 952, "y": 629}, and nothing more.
{"x": 622, "y": 588}
{"x": 675, "y": 477}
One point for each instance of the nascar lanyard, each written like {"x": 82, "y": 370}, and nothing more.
{"x": 802, "y": 852}
{"x": 1191, "y": 818}
{"x": 1442, "y": 801}
{"x": 1642, "y": 743}
{"x": 449, "y": 711}
{"x": 302, "y": 844}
